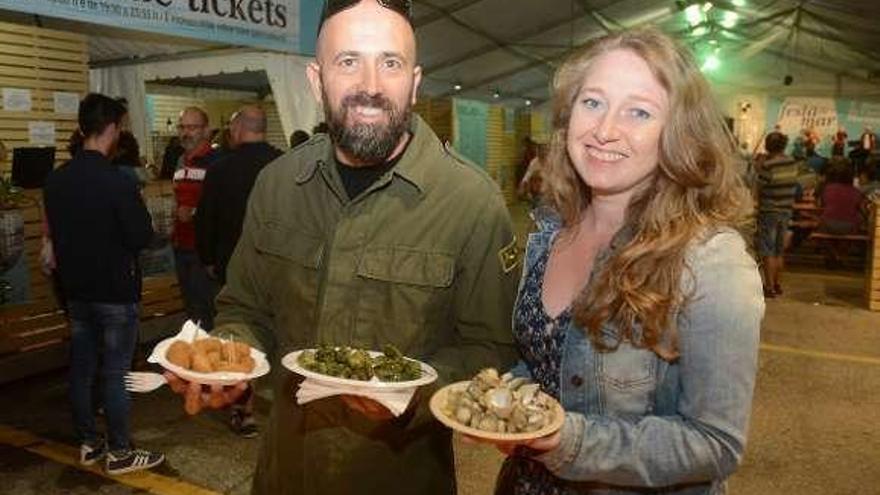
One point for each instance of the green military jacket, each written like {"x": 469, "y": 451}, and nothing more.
{"x": 424, "y": 259}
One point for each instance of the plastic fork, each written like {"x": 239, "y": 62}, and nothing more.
{"x": 139, "y": 381}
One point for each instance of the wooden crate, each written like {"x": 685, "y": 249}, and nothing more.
{"x": 872, "y": 267}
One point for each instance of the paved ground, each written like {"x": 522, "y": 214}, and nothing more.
{"x": 814, "y": 427}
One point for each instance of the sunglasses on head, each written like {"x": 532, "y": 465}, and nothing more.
{"x": 333, "y": 7}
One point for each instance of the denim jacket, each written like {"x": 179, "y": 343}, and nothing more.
{"x": 635, "y": 421}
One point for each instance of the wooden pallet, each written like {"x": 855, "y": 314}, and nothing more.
{"x": 872, "y": 267}
{"x": 42, "y": 61}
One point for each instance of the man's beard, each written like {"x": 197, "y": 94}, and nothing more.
{"x": 371, "y": 143}
{"x": 189, "y": 143}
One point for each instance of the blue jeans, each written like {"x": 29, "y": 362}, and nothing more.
{"x": 197, "y": 287}
{"x": 772, "y": 226}
{"x": 107, "y": 332}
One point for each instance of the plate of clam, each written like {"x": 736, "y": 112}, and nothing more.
{"x": 498, "y": 407}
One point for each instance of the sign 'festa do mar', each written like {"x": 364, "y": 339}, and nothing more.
{"x": 269, "y": 24}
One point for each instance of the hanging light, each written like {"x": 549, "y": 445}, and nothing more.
{"x": 457, "y": 87}
{"x": 528, "y": 102}
{"x": 496, "y": 94}
{"x": 693, "y": 14}
{"x": 729, "y": 19}
{"x": 711, "y": 63}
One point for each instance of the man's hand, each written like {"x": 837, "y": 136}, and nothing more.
{"x": 185, "y": 214}
{"x": 536, "y": 446}
{"x": 198, "y": 397}
{"x": 368, "y": 407}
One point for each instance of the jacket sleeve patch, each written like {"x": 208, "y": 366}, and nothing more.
{"x": 510, "y": 256}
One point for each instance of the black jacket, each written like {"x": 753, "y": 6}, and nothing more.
{"x": 98, "y": 223}
{"x": 220, "y": 214}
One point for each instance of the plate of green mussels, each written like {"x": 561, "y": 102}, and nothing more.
{"x": 346, "y": 366}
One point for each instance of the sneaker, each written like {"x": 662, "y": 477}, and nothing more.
{"x": 243, "y": 424}
{"x": 132, "y": 460}
{"x": 90, "y": 454}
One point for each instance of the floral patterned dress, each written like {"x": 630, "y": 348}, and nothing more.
{"x": 540, "y": 338}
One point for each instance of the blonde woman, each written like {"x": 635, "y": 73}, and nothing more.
{"x": 639, "y": 307}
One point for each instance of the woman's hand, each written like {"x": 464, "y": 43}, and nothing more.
{"x": 198, "y": 397}
{"x": 530, "y": 447}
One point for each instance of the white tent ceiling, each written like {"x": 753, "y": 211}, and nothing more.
{"x": 828, "y": 47}
{"x": 512, "y": 46}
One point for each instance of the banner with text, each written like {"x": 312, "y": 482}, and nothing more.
{"x": 272, "y": 24}
{"x": 823, "y": 115}
{"x": 470, "y": 119}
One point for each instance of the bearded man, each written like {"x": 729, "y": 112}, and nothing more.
{"x": 372, "y": 234}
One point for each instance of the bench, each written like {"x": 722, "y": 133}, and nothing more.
{"x": 839, "y": 237}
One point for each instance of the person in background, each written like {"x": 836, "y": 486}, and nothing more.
{"x": 531, "y": 183}
{"x": 298, "y": 137}
{"x": 639, "y": 307}
{"x": 98, "y": 223}
{"x": 171, "y": 158}
{"x": 373, "y": 234}
{"x": 221, "y": 212}
{"x": 128, "y": 158}
{"x": 842, "y": 205}
{"x": 221, "y": 142}
{"x": 869, "y": 180}
{"x": 529, "y": 153}
{"x": 838, "y": 142}
{"x": 777, "y": 184}
{"x": 813, "y": 159}
{"x": 196, "y": 285}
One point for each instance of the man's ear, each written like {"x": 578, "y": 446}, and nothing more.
{"x": 417, "y": 81}
{"x": 313, "y": 72}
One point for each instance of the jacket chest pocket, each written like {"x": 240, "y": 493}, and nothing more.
{"x": 405, "y": 294}
{"x": 290, "y": 263}
{"x": 628, "y": 377}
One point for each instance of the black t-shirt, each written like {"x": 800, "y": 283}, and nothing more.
{"x": 356, "y": 180}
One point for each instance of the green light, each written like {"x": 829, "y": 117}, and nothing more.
{"x": 700, "y": 31}
{"x": 711, "y": 64}
{"x": 729, "y": 20}
{"x": 739, "y": 3}
{"x": 693, "y": 14}
{"x": 707, "y": 6}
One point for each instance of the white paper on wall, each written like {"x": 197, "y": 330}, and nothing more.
{"x": 41, "y": 133}
{"x": 16, "y": 100}
{"x": 66, "y": 103}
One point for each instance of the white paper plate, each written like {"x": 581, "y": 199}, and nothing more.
{"x": 290, "y": 361}
{"x": 189, "y": 332}
{"x": 438, "y": 401}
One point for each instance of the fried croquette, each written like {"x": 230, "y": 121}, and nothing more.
{"x": 180, "y": 354}
{"x": 210, "y": 355}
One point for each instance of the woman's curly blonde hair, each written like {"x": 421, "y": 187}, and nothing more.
{"x": 695, "y": 189}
